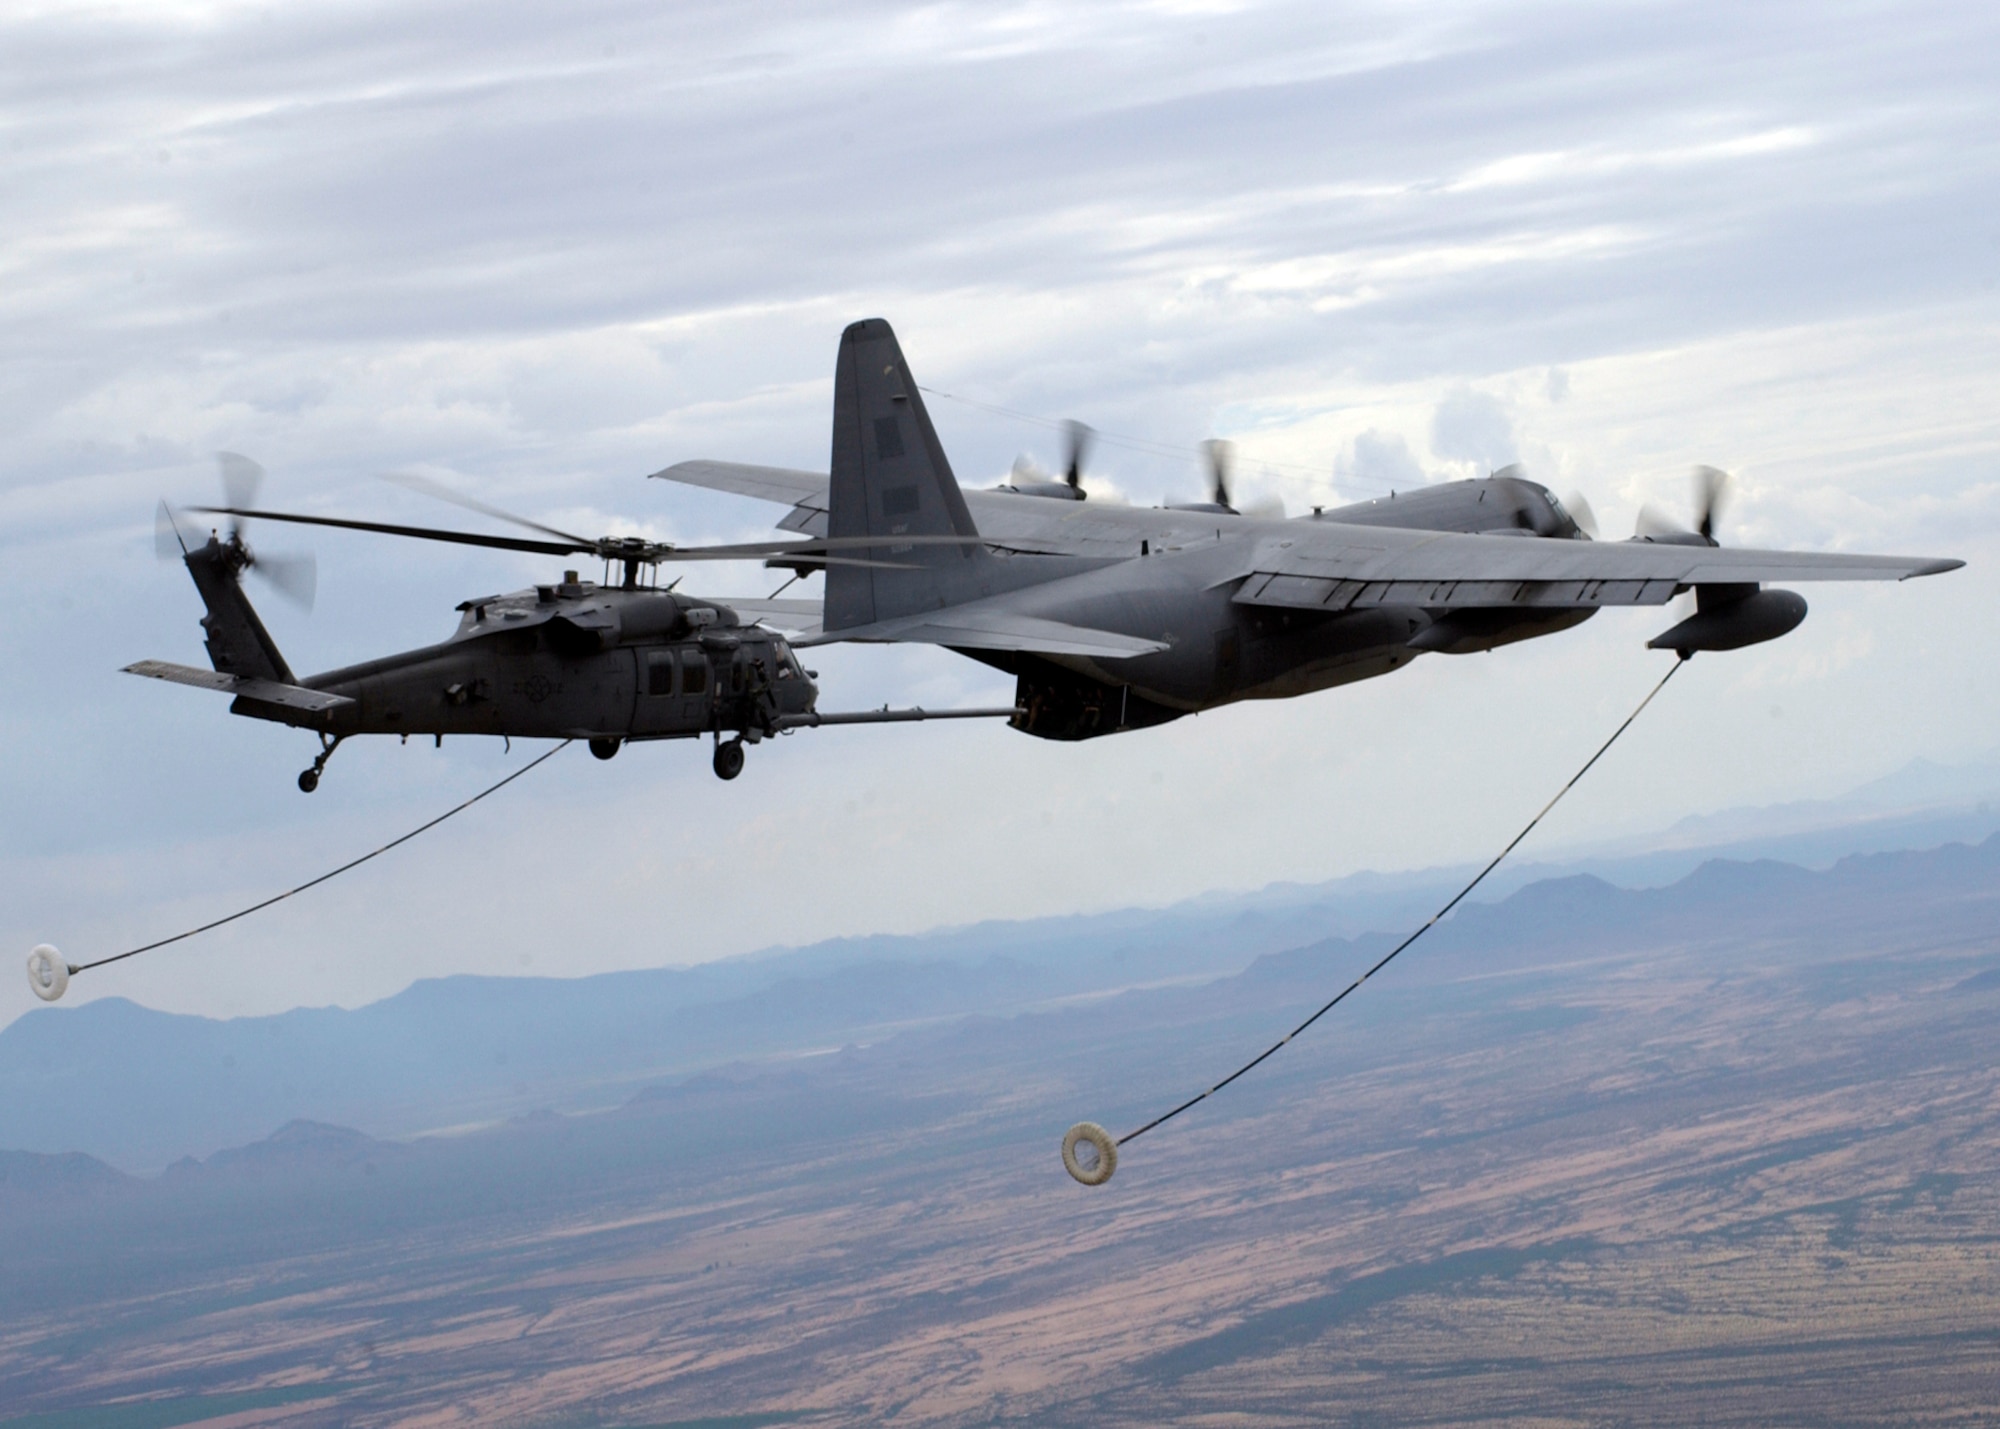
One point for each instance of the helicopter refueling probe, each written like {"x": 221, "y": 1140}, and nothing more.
{"x": 1090, "y": 1153}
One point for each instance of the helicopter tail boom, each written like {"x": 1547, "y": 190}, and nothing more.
{"x": 238, "y": 643}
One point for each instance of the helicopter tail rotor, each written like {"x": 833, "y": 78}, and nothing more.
{"x": 292, "y": 574}
{"x": 168, "y": 543}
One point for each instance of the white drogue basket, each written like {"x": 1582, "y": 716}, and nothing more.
{"x": 48, "y": 974}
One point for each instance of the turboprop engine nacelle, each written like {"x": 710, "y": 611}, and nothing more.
{"x": 1728, "y": 617}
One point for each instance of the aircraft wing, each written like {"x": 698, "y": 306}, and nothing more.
{"x": 1008, "y": 521}
{"x": 1345, "y": 567}
{"x": 269, "y": 692}
{"x": 974, "y": 627}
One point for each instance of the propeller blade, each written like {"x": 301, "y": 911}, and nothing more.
{"x": 293, "y": 574}
{"x": 1655, "y": 525}
{"x": 1079, "y": 447}
{"x": 167, "y": 542}
{"x": 410, "y": 481}
{"x": 1221, "y": 456}
{"x": 1578, "y": 506}
{"x": 1711, "y": 494}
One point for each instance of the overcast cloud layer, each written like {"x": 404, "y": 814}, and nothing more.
{"x": 544, "y": 252}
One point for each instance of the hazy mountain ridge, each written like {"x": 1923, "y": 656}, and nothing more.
{"x": 1537, "y": 1171}
{"x": 159, "y": 1087}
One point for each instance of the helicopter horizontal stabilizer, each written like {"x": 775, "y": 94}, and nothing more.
{"x": 249, "y": 687}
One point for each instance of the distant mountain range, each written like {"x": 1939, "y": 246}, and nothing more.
{"x": 141, "y": 1089}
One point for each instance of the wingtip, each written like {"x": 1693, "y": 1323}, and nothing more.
{"x": 1934, "y": 568}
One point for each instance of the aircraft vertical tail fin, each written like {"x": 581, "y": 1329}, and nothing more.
{"x": 890, "y": 478}
{"x": 238, "y": 643}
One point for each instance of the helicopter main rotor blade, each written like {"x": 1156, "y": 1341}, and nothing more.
{"x": 816, "y": 544}
{"x": 623, "y": 548}
{"x": 421, "y": 533}
{"x": 410, "y": 481}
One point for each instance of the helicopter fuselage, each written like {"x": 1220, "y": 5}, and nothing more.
{"x": 570, "y": 661}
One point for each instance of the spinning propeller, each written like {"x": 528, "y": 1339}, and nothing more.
{"x": 293, "y": 574}
{"x": 1711, "y": 494}
{"x": 1221, "y": 457}
{"x": 1578, "y": 506}
{"x": 1080, "y": 438}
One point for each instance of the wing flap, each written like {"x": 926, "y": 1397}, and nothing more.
{"x": 269, "y": 692}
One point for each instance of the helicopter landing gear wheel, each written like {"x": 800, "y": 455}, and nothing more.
{"x": 605, "y": 748}
{"x": 309, "y": 778}
{"x": 729, "y": 759}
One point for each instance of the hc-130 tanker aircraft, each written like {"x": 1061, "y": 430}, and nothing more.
{"x": 1116, "y": 617}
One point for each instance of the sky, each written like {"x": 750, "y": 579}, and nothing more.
{"x": 542, "y": 251}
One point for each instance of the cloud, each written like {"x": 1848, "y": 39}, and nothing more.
{"x": 1474, "y": 427}
{"x": 1377, "y": 462}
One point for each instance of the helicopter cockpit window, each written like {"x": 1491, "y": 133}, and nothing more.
{"x": 660, "y": 673}
{"x": 694, "y": 672}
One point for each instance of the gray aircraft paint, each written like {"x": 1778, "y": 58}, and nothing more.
{"x": 1213, "y": 606}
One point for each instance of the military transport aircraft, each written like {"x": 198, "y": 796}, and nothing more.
{"x": 1117, "y": 617}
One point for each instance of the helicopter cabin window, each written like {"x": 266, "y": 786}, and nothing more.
{"x": 660, "y": 672}
{"x": 694, "y": 672}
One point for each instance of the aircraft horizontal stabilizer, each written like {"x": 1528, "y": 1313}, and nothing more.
{"x": 797, "y": 619}
{"x": 967, "y": 629}
{"x": 249, "y": 687}
{"x": 767, "y": 483}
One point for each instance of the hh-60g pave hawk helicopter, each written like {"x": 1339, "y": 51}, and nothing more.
{"x": 569, "y": 660}
{"x": 1118, "y": 617}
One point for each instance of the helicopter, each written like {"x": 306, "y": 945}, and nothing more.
{"x": 570, "y": 659}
